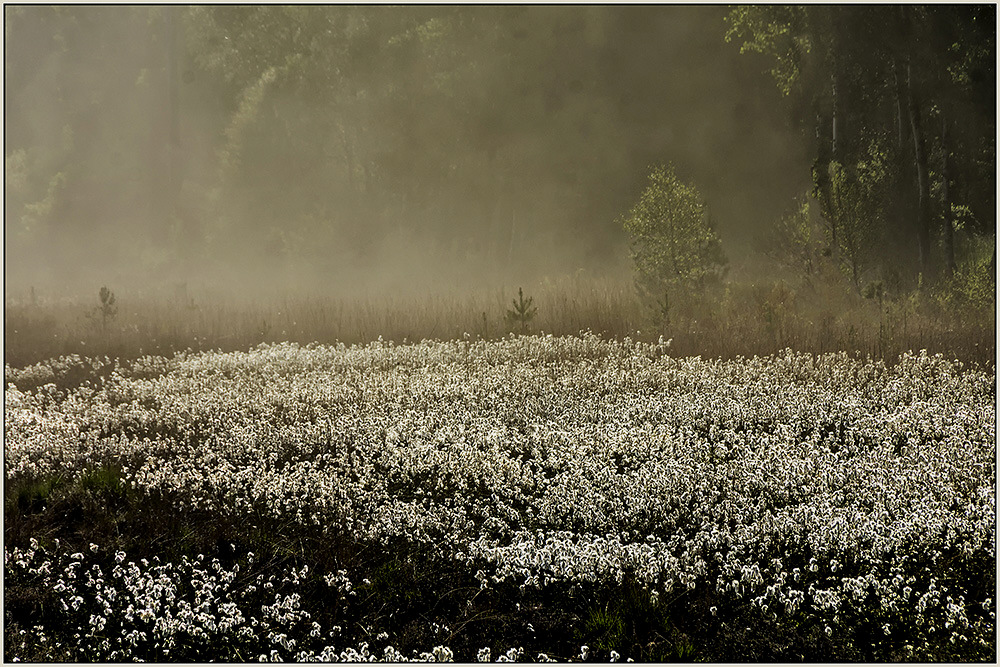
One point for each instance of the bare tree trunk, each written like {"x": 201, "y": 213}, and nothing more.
{"x": 923, "y": 221}
{"x": 821, "y": 178}
{"x": 901, "y": 107}
{"x": 949, "y": 230}
{"x": 835, "y": 151}
{"x": 834, "y": 148}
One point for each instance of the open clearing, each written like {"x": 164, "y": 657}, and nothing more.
{"x": 532, "y": 497}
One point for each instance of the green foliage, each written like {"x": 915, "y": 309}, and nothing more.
{"x": 776, "y": 30}
{"x": 522, "y": 311}
{"x": 606, "y": 626}
{"x": 662, "y": 308}
{"x": 674, "y": 247}
{"x": 971, "y": 289}
{"x": 881, "y": 109}
{"x": 373, "y": 117}
{"x": 103, "y": 481}
{"x": 855, "y": 212}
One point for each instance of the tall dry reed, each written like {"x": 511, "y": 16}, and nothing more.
{"x": 740, "y": 320}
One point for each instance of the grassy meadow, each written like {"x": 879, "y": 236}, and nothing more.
{"x": 743, "y": 319}
{"x": 298, "y": 480}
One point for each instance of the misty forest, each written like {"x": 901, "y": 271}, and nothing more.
{"x": 500, "y": 333}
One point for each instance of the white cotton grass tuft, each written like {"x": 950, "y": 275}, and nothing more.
{"x": 544, "y": 461}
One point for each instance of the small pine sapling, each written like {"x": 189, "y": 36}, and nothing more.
{"x": 108, "y": 309}
{"x": 523, "y": 311}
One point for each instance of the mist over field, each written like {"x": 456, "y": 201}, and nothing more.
{"x": 752, "y": 178}
{"x": 332, "y": 148}
{"x": 513, "y": 333}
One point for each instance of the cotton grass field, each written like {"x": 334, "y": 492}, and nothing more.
{"x": 529, "y": 498}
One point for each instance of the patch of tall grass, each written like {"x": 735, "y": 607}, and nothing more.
{"x": 738, "y": 319}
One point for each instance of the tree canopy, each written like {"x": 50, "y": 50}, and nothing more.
{"x": 901, "y": 102}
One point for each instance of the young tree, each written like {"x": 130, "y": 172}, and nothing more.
{"x": 674, "y": 248}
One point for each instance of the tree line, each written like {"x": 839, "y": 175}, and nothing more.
{"x": 900, "y": 103}
{"x": 314, "y": 133}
